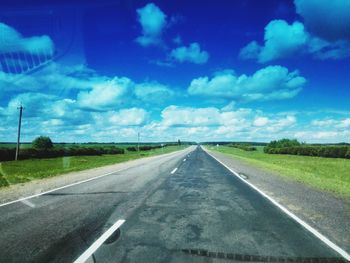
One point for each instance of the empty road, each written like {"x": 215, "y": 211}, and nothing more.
{"x": 183, "y": 207}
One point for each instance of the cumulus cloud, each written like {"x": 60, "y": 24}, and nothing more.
{"x": 153, "y": 21}
{"x": 153, "y": 92}
{"x": 211, "y": 123}
{"x": 63, "y": 120}
{"x": 92, "y": 91}
{"x": 187, "y": 116}
{"x": 270, "y": 83}
{"x": 344, "y": 123}
{"x": 192, "y": 53}
{"x": 241, "y": 118}
{"x": 12, "y": 41}
{"x": 54, "y": 78}
{"x": 335, "y": 123}
{"x": 283, "y": 40}
{"x": 329, "y": 20}
{"x": 122, "y": 92}
{"x": 123, "y": 117}
{"x": 260, "y": 121}
{"x": 111, "y": 93}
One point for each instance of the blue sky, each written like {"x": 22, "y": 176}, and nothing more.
{"x": 189, "y": 70}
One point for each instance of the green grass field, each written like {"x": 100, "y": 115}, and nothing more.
{"x": 328, "y": 174}
{"x": 13, "y": 172}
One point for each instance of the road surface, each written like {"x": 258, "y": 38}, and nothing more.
{"x": 184, "y": 207}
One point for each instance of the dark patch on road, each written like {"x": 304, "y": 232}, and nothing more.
{"x": 257, "y": 258}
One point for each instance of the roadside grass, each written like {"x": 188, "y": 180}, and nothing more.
{"x": 13, "y": 172}
{"x": 327, "y": 174}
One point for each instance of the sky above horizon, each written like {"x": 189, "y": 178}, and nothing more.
{"x": 102, "y": 71}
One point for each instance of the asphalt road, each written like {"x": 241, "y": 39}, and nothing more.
{"x": 198, "y": 212}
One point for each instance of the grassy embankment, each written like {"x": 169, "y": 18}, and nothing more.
{"x": 327, "y": 174}
{"x": 13, "y": 172}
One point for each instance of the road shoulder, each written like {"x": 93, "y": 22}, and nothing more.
{"x": 323, "y": 211}
{"x": 16, "y": 191}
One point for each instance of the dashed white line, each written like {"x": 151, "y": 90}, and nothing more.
{"x": 173, "y": 171}
{"x": 324, "y": 239}
{"x": 92, "y": 249}
{"x": 66, "y": 186}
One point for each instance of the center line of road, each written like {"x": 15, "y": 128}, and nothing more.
{"x": 70, "y": 185}
{"x": 173, "y": 171}
{"x": 92, "y": 249}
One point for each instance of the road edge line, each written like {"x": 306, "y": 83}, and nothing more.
{"x": 315, "y": 232}
{"x": 79, "y": 182}
{"x": 92, "y": 249}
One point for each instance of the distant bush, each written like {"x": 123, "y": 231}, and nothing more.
{"x": 308, "y": 150}
{"x": 7, "y": 154}
{"x": 42, "y": 143}
{"x": 244, "y": 147}
{"x": 32, "y": 153}
{"x": 283, "y": 143}
{"x": 149, "y": 147}
{"x": 146, "y": 148}
{"x": 132, "y": 149}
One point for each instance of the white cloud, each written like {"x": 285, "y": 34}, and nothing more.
{"x": 344, "y": 123}
{"x": 153, "y": 22}
{"x": 283, "y": 40}
{"x": 12, "y": 41}
{"x": 323, "y": 123}
{"x": 109, "y": 94}
{"x": 153, "y": 92}
{"x": 124, "y": 117}
{"x": 64, "y": 120}
{"x": 132, "y": 116}
{"x": 337, "y": 123}
{"x": 54, "y": 78}
{"x": 192, "y": 53}
{"x": 260, "y": 121}
{"x": 187, "y": 116}
{"x": 323, "y": 136}
{"x": 270, "y": 83}
{"x": 280, "y": 124}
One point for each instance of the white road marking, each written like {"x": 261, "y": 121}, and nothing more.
{"x": 185, "y": 160}
{"x": 324, "y": 239}
{"x": 92, "y": 249}
{"x": 28, "y": 203}
{"x": 173, "y": 171}
{"x": 69, "y": 185}
{"x": 59, "y": 188}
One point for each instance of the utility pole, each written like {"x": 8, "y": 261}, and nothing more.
{"x": 138, "y": 142}
{"x": 19, "y": 131}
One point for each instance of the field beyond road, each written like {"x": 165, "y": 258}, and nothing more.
{"x": 13, "y": 172}
{"x": 327, "y": 174}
